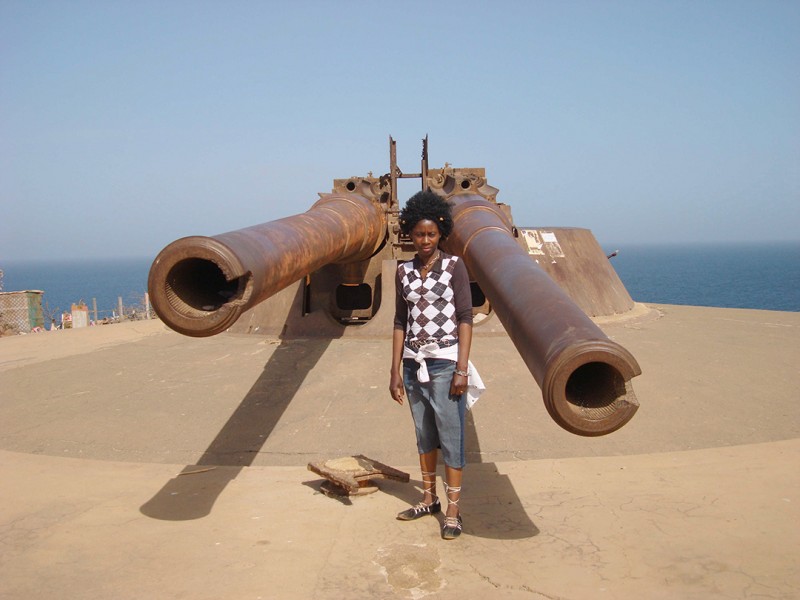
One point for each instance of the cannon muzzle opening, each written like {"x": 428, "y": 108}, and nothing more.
{"x": 593, "y": 388}
{"x": 588, "y": 391}
{"x": 198, "y": 286}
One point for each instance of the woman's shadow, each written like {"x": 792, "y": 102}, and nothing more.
{"x": 490, "y": 504}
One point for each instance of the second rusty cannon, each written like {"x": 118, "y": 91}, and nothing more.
{"x": 343, "y": 252}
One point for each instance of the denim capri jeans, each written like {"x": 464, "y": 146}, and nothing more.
{"x": 438, "y": 416}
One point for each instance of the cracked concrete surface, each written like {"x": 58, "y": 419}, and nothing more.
{"x": 140, "y": 464}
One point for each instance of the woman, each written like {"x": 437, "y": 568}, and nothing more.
{"x": 430, "y": 352}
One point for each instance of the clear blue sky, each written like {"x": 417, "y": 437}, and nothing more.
{"x": 125, "y": 125}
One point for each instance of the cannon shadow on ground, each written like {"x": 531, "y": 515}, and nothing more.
{"x": 192, "y": 493}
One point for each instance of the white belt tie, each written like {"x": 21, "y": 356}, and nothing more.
{"x": 475, "y": 385}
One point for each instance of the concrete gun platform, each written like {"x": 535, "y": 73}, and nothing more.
{"x": 137, "y": 463}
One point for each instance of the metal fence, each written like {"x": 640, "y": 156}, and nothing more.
{"x": 21, "y": 312}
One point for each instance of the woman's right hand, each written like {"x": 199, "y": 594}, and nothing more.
{"x": 396, "y": 388}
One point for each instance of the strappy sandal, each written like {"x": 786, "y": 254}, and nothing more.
{"x": 452, "y": 526}
{"x": 422, "y": 509}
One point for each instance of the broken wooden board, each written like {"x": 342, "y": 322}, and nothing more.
{"x": 353, "y": 475}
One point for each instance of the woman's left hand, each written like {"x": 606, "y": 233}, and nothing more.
{"x": 459, "y": 384}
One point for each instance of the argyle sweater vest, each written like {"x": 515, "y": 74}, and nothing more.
{"x": 431, "y": 309}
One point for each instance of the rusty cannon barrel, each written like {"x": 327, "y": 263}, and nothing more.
{"x": 200, "y": 286}
{"x": 584, "y": 376}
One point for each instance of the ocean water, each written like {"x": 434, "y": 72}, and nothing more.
{"x": 68, "y": 282}
{"x": 763, "y": 276}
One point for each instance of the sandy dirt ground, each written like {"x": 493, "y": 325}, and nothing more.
{"x": 137, "y": 463}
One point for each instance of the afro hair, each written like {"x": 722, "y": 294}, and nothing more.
{"x": 427, "y": 205}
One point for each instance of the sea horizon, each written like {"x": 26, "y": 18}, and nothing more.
{"x": 603, "y": 243}
{"x": 755, "y": 275}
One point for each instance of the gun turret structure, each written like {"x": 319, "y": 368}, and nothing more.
{"x": 342, "y": 254}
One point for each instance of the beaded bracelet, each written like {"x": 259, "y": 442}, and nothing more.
{"x": 462, "y": 373}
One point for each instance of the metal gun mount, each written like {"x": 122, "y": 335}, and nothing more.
{"x": 343, "y": 251}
